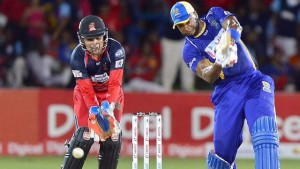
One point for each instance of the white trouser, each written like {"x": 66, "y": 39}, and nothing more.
{"x": 17, "y": 73}
{"x": 172, "y": 62}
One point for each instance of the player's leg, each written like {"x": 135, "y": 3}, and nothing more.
{"x": 216, "y": 162}
{"x": 109, "y": 152}
{"x": 110, "y": 149}
{"x": 81, "y": 138}
{"x": 228, "y": 124}
{"x": 261, "y": 118}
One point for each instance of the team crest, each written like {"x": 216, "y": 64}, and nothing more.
{"x": 114, "y": 137}
{"x": 104, "y": 67}
{"x": 266, "y": 86}
{"x": 215, "y": 24}
{"x": 176, "y": 12}
{"x": 119, "y": 63}
{"x": 92, "y": 26}
{"x": 86, "y": 135}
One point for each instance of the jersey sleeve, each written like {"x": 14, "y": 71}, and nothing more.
{"x": 83, "y": 80}
{"x": 117, "y": 57}
{"x": 78, "y": 64}
{"x": 217, "y": 13}
{"x": 191, "y": 55}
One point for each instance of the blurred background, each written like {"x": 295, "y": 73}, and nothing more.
{"x": 43, "y": 32}
{"x": 38, "y": 36}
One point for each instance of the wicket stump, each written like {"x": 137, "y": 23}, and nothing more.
{"x": 146, "y": 118}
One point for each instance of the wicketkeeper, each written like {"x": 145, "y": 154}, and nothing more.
{"x": 97, "y": 64}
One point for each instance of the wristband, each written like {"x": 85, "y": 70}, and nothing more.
{"x": 235, "y": 34}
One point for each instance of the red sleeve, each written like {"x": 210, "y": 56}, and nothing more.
{"x": 87, "y": 91}
{"x": 114, "y": 85}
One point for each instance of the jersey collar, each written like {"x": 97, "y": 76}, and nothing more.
{"x": 202, "y": 29}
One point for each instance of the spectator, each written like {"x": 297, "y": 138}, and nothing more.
{"x": 142, "y": 70}
{"x": 278, "y": 70}
{"x": 45, "y": 70}
{"x": 34, "y": 21}
{"x": 171, "y": 44}
{"x": 285, "y": 21}
{"x": 294, "y": 61}
{"x": 254, "y": 18}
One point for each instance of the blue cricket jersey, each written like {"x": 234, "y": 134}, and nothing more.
{"x": 204, "y": 46}
{"x": 242, "y": 92}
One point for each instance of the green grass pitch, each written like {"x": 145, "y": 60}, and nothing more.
{"x": 53, "y": 162}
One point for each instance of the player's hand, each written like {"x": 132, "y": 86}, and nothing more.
{"x": 102, "y": 122}
{"x": 109, "y": 109}
{"x": 226, "y": 51}
{"x": 231, "y": 55}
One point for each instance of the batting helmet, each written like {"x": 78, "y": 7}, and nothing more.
{"x": 91, "y": 27}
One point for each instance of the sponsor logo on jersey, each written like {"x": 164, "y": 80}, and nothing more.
{"x": 215, "y": 24}
{"x": 77, "y": 73}
{"x": 211, "y": 47}
{"x": 119, "y": 53}
{"x": 191, "y": 63}
{"x": 100, "y": 78}
{"x": 119, "y": 63}
{"x": 86, "y": 135}
{"x": 266, "y": 86}
{"x": 226, "y": 12}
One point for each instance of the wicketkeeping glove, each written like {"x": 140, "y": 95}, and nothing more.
{"x": 102, "y": 123}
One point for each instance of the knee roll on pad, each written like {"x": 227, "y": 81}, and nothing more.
{"x": 81, "y": 138}
{"x": 109, "y": 153}
{"x": 216, "y": 162}
{"x": 265, "y": 143}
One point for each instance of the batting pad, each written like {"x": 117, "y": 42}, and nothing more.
{"x": 109, "y": 152}
{"x": 265, "y": 143}
{"x": 216, "y": 162}
{"x": 79, "y": 139}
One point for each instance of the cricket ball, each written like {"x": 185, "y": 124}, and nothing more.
{"x": 77, "y": 152}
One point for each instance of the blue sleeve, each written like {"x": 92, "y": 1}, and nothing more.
{"x": 191, "y": 56}
{"x": 217, "y": 13}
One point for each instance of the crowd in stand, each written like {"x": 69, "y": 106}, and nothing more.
{"x": 38, "y": 36}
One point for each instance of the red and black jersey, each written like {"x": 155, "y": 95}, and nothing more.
{"x": 103, "y": 75}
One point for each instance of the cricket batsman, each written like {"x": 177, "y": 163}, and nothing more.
{"x": 97, "y": 64}
{"x": 214, "y": 51}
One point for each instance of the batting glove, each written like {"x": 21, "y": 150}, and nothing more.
{"x": 226, "y": 51}
{"x": 230, "y": 56}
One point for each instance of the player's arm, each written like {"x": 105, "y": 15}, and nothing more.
{"x": 116, "y": 74}
{"x": 207, "y": 71}
{"x": 226, "y": 50}
{"x": 232, "y": 25}
{"x": 83, "y": 80}
{"x": 114, "y": 85}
